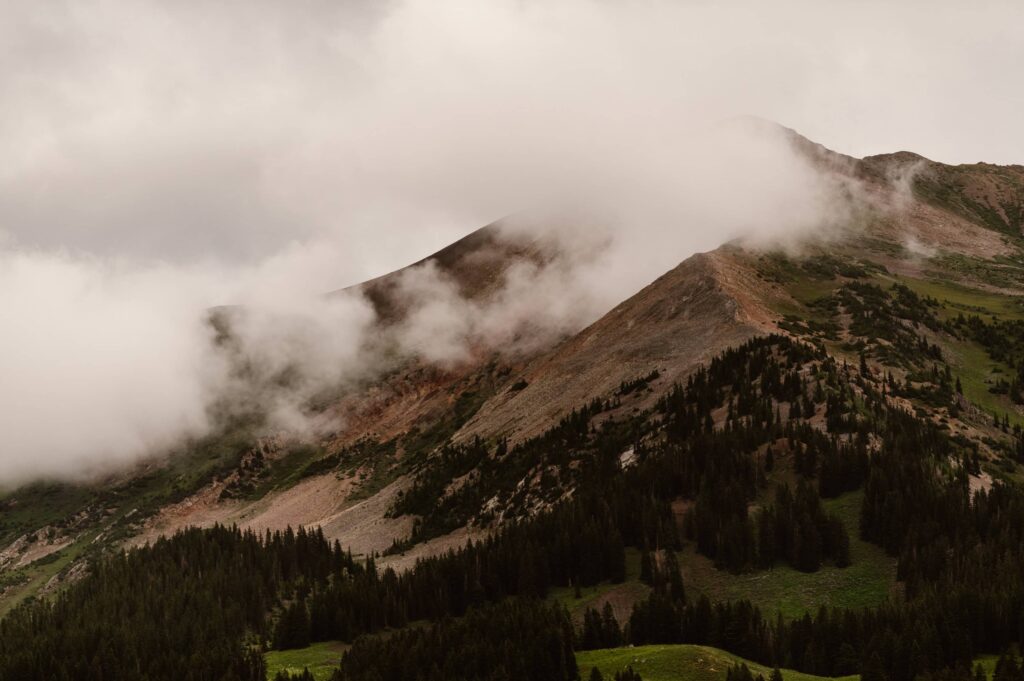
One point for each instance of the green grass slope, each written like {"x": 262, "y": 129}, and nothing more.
{"x": 623, "y": 595}
{"x": 320, "y": 658}
{"x": 679, "y": 662}
{"x": 866, "y": 583}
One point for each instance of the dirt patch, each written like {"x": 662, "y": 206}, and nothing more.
{"x": 622, "y": 598}
{"x": 981, "y": 482}
{"x": 29, "y": 548}
{"x": 321, "y": 501}
{"x": 931, "y": 228}
{"x": 453, "y": 541}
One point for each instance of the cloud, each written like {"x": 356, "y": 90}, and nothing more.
{"x": 184, "y": 131}
{"x": 98, "y": 364}
{"x": 161, "y": 159}
{"x": 104, "y": 363}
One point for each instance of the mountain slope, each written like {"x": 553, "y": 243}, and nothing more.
{"x": 951, "y": 233}
{"x": 476, "y": 264}
{"x": 809, "y": 457}
{"x": 678, "y": 321}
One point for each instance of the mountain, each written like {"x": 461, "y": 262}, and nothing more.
{"x": 475, "y": 263}
{"x": 875, "y": 374}
{"x": 681, "y": 319}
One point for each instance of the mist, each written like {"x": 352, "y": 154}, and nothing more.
{"x": 160, "y": 161}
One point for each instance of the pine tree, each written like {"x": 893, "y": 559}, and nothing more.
{"x": 293, "y": 628}
{"x": 611, "y": 635}
{"x": 646, "y": 568}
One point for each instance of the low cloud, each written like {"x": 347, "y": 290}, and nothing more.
{"x": 100, "y": 364}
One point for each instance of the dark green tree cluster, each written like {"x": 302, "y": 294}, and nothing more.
{"x": 179, "y": 609}
{"x": 507, "y": 641}
{"x": 626, "y": 674}
{"x": 498, "y": 473}
{"x": 741, "y": 672}
{"x": 577, "y": 543}
{"x": 600, "y": 629}
{"x": 894, "y": 316}
{"x": 959, "y": 556}
{"x": 721, "y": 466}
{"x": 797, "y": 528}
{"x": 304, "y": 675}
{"x": 1009, "y": 667}
{"x": 453, "y": 461}
{"x": 293, "y": 628}
{"x": 635, "y": 384}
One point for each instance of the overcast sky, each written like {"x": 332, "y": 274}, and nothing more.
{"x": 354, "y": 137}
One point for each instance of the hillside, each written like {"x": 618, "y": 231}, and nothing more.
{"x": 675, "y": 323}
{"x": 910, "y": 320}
{"x": 935, "y": 241}
{"x": 676, "y": 663}
{"x": 655, "y": 663}
{"x": 705, "y": 461}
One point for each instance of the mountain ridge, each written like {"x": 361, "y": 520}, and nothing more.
{"x": 349, "y": 483}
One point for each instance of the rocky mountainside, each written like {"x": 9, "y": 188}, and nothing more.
{"x": 950, "y": 235}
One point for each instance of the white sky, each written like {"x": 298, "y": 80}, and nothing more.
{"x": 373, "y": 133}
